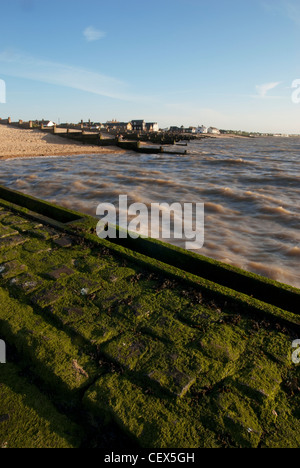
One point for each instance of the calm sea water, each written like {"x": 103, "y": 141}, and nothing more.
{"x": 250, "y": 187}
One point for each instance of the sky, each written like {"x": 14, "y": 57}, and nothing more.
{"x": 228, "y": 63}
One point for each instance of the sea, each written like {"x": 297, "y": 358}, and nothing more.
{"x": 250, "y": 188}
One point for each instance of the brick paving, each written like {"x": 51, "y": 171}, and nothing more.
{"x": 114, "y": 342}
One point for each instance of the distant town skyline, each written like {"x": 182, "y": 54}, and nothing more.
{"x": 231, "y": 65}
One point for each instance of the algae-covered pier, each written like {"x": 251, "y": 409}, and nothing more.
{"x": 112, "y": 342}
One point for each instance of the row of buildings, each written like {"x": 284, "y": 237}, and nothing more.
{"x": 201, "y": 129}
{"x": 115, "y": 125}
{"x": 139, "y": 126}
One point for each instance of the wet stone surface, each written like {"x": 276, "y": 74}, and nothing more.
{"x": 6, "y": 232}
{"x": 61, "y": 272}
{"x": 64, "y": 242}
{"x": 12, "y": 241}
{"x": 48, "y": 296}
{"x": 13, "y": 221}
{"x": 110, "y": 339}
{"x": 26, "y": 283}
{"x": 10, "y": 269}
{"x": 178, "y": 382}
{"x": 44, "y": 233}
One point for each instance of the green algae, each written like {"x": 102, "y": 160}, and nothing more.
{"x": 238, "y": 419}
{"x": 262, "y": 378}
{"x": 42, "y": 347}
{"x": 6, "y": 231}
{"x": 150, "y": 420}
{"x": 282, "y": 428}
{"x": 188, "y": 363}
{"x": 29, "y": 420}
{"x": 223, "y": 343}
{"x": 12, "y": 269}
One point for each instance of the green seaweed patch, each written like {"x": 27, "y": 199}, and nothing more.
{"x": 11, "y": 242}
{"x": 13, "y": 220}
{"x": 223, "y": 342}
{"x": 86, "y": 320}
{"x": 36, "y": 247}
{"x": 48, "y": 295}
{"x": 90, "y": 264}
{"x": 152, "y": 421}
{"x": 11, "y": 269}
{"x": 213, "y": 373}
{"x": 6, "y": 231}
{"x": 8, "y": 256}
{"x": 173, "y": 369}
{"x": 26, "y": 283}
{"x": 48, "y": 351}
{"x": 199, "y": 316}
{"x": 28, "y": 419}
{"x": 44, "y": 233}
{"x": 171, "y": 330}
{"x": 239, "y": 420}
{"x": 278, "y": 346}
{"x": 261, "y": 378}
{"x": 282, "y": 428}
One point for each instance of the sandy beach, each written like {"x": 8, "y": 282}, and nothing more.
{"x": 15, "y": 143}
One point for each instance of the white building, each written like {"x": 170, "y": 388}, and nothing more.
{"x": 48, "y": 123}
{"x": 152, "y": 127}
{"x": 213, "y": 131}
{"x": 202, "y": 129}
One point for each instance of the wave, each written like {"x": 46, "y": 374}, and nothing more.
{"x": 250, "y": 188}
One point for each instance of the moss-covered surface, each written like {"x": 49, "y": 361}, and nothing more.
{"x": 28, "y": 419}
{"x": 108, "y": 334}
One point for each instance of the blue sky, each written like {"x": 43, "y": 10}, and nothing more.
{"x": 227, "y": 63}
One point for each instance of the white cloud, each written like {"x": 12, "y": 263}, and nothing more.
{"x": 24, "y": 66}
{"x": 92, "y": 34}
{"x": 21, "y": 65}
{"x": 262, "y": 90}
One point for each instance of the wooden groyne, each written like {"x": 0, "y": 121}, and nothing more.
{"x": 97, "y": 139}
{"x": 160, "y": 143}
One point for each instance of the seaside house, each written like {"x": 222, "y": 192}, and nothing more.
{"x": 190, "y": 130}
{"x": 119, "y": 126}
{"x": 202, "y": 129}
{"x": 138, "y": 125}
{"x": 213, "y": 131}
{"x": 45, "y": 123}
{"x": 152, "y": 127}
